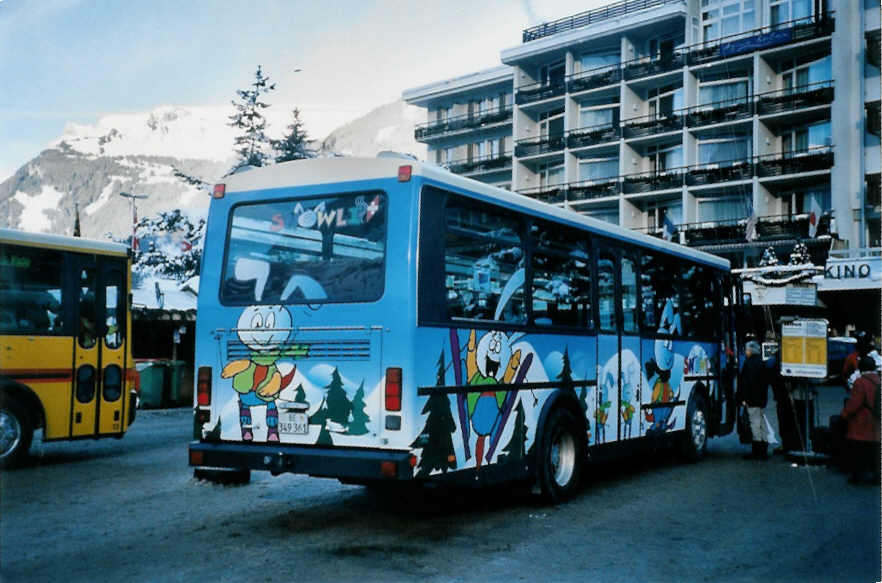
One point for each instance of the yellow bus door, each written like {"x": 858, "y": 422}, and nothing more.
{"x": 87, "y": 350}
{"x": 111, "y": 397}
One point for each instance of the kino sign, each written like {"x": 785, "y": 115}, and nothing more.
{"x": 859, "y": 269}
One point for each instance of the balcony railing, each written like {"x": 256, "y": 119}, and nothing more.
{"x": 769, "y": 228}
{"x": 534, "y": 146}
{"x": 874, "y": 42}
{"x": 594, "y": 78}
{"x": 874, "y": 190}
{"x": 715, "y": 173}
{"x": 539, "y": 91}
{"x": 589, "y": 136}
{"x": 582, "y": 19}
{"x": 486, "y": 163}
{"x": 651, "y": 124}
{"x": 874, "y": 120}
{"x": 800, "y": 97}
{"x": 718, "y": 112}
{"x": 550, "y": 194}
{"x": 460, "y": 122}
{"x": 587, "y": 190}
{"x": 648, "y": 67}
{"x": 653, "y": 181}
{"x": 809, "y": 160}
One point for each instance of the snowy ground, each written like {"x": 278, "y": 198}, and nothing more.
{"x": 129, "y": 510}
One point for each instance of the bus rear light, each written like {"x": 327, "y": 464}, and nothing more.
{"x": 388, "y": 469}
{"x": 203, "y": 386}
{"x": 404, "y": 173}
{"x": 393, "y": 389}
{"x": 196, "y": 458}
{"x": 219, "y": 191}
{"x": 133, "y": 379}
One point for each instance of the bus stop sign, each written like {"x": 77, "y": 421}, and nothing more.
{"x": 804, "y": 349}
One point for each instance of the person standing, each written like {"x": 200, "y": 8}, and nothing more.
{"x": 862, "y": 433}
{"x": 753, "y": 392}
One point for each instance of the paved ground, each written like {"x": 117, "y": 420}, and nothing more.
{"x": 129, "y": 510}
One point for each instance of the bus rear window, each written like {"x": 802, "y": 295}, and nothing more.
{"x": 316, "y": 250}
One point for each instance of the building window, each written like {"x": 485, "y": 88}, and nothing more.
{"x": 782, "y": 12}
{"x": 723, "y": 91}
{"x": 725, "y": 208}
{"x": 806, "y": 138}
{"x": 663, "y": 101}
{"x": 552, "y": 74}
{"x": 551, "y": 175}
{"x": 551, "y": 124}
{"x": 664, "y": 158}
{"x": 799, "y": 73}
{"x": 656, "y": 213}
{"x": 598, "y": 169}
{"x": 722, "y": 18}
{"x": 724, "y": 151}
{"x": 595, "y": 116}
{"x": 597, "y": 60}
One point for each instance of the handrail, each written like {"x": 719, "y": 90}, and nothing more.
{"x": 474, "y": 116}
{"x": 581, "y": 19}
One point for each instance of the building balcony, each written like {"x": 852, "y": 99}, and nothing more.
{"x": 646, "y": 68}
{"x": 450, "y": 125}
{"x": 589, "y": 190}
{"x": 594, "y": 78}
{"x": 582, "y": 19}
{"x": 802, "y": 97}
{"x": 873, "y": 195}
{"x": 593, "y": 135}
{"x": 652, "y": 181}
{"x": 810, "y": 160}
{"x": 551, "y": 194}
{"x": 716, "y": 173}
{"x": 649, "y": 125}
{"x": 718, "y": 112}
{"x": 760, "y": 38}
{"x": 769, "y": 228}
{"x": 481, "y": 164}
{"x": 539, "y": 92}
{"x": 874, "y": 120}
{"x": 536, "y": 146}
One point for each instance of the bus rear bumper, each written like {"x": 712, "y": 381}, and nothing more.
{"x": 339, "y": 462}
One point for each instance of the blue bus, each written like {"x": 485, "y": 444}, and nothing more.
{"x": 385, "y": 320}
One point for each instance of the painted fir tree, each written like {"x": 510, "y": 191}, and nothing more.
{"x": 319, "y": 418}
{"x": 566, "y": 374}
{"x": 516, "y": 450}
{"x": 436, "y": 437}
{"x": 360, "y": 419}
{"x": 299, "y": 394}
{"x": 252, "y": 145}
{"x": 294, "y": 145}
{"x": 337, "y": 402}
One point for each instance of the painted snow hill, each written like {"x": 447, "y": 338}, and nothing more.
{"x": 171, "y": 153}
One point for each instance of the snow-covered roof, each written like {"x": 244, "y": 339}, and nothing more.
{"x": 478, "y": 80}
{"x": 335, "y": 170}
{"x": 155, "y": 293}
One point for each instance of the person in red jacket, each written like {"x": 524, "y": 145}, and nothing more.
{"x": 862, "y": 434}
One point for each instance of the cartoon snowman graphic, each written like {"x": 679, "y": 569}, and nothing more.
{"x": 258, "y": 379}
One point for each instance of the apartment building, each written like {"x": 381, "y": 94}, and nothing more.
{"x": 729, "y": 125}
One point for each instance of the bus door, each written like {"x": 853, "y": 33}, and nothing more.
{"x": 99, "y": 353}
{"x": 618, "y": 348}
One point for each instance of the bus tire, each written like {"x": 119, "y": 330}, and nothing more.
{"x": 561, "y": 456}
{"x": 694, "y": 444}
{"x": 225, "y": 477}
{"x": 16, "y": 431}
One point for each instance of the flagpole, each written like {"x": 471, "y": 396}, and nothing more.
{"x": 132, "y": 198}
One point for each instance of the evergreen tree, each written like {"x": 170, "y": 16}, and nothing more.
{"x": 294, "y": 145}
{"x": 516, "y": 450}
{"x": 338, "y": 405}
{"x": 566, "y": 374}
{"x": 360, "y": 419}
{"x": 436, "y": 437}
{"x": 320, "y": 415}
{"x": 299, "y": 394}
{"x": 171, "y": 245}
{"x": 252, "y": 145}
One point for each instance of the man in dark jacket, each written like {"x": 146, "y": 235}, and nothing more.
{"x": 753, "y": 392}
{"x": 862, "y": 435}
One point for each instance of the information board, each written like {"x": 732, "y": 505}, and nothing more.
{"x": 804, "y": 349}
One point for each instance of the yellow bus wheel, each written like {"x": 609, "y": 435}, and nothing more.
{"x": 16, "y": 431}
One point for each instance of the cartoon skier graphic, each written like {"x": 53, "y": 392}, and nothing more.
{"x": 257, "y": 379}
{"x": 660, "y": 371}
{"x": 489, "y": 361}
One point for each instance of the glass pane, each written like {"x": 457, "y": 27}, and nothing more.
{"x": 629, "y": 296}
{"x": 595, "y": 117}
{"x": 599, "y": 60}
{"x": 484, "y": 264}
{"x": 606, "y": 292}
{"x": 561, "y": 278}
{"x": 113, "y": 312}
{"x": 30, "y": 290}
{"x": 329, "y": 249}
{"x": 723, "y": 153}
{"x": 660, "y": 301}
{"x": 730, "y": 25}
{"x": 86, "y": 308}
{"x": 599, "y": 169}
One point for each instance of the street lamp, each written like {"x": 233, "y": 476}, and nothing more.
{"x": 132, "y": 198}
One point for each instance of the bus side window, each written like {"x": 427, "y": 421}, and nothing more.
{"x": 113, "y": 325}
{"x": 484, "y": 271}
{"x": 31, "y": 291}
{"x": 561, "y": 285}
{"x": 658, "y": 290}
{"x": 629, "y": 295}
{"x": 606, "y": 291}
{"x": 698, "y": 303}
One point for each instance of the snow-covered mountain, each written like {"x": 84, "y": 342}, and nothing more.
{"x": 172, "y": 154}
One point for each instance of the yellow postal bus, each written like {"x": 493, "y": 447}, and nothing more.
{"x": 65, "y": 354}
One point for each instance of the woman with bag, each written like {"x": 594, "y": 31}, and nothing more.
{"x": 753, "y": 394}
{"x": 861, "y": 412}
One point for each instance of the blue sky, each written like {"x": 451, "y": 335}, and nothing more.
{"x": 74, "y": 60}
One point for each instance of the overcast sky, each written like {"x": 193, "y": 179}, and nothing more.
{"x": 74, "y": 60}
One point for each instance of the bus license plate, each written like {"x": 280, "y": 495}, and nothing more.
{"x": 293, "y": 423}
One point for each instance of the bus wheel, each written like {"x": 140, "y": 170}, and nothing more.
{"x": 695, "y": 438}
{"x": 236, "y": 477}
{"x": 562, "y": 456}
{"x": 16, "y": 431}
